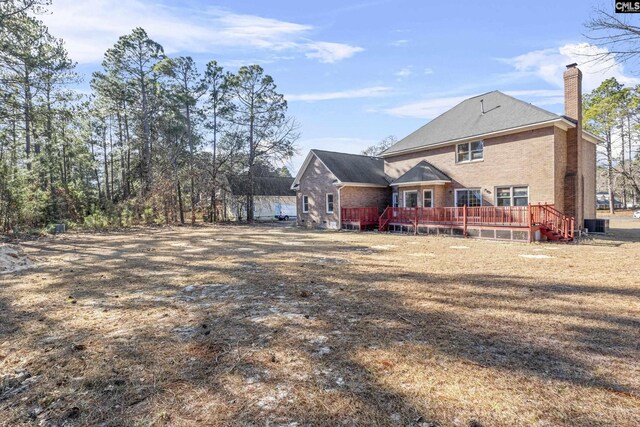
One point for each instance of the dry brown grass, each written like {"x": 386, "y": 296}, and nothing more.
{"x": 267, "y": 325}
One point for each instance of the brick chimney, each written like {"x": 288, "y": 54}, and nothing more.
{"x": 573, "y": 92}
{"x": 573, "y": 181}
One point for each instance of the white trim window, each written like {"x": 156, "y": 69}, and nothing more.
{"x": 412, "y": 201}
{"x": 329, "y": 203}
{"x": 470, "y": 197}
{"x": 427, "y": 199}
{"x": 305, "y": 204}
{"x": 394, "y": 200}
{"x": 512, "y": 196}
{"x": 470, "y": 152}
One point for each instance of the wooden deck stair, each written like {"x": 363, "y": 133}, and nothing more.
{"x": 553, "y": 224}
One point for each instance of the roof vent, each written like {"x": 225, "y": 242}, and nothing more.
{"x": 482, "y": 106}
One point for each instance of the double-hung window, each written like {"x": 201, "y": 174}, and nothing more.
{"x": 470, "y": 197}
{"x": 470, "y": 152}
{"x": 329, "y": 202}
{"x": 427, "y": 199}
{"x": 512, "y": 196}
{"x": 305, "y": 204}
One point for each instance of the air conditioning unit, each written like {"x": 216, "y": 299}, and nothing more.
{"x": 597, "y": 225}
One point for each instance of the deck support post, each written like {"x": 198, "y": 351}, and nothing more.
{"x": 464, "y": 221}
{"x": 530, "y": 220}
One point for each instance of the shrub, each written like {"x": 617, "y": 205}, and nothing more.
{"x": 97, "y": 221}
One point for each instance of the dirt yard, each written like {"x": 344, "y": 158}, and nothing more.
{"x": 233, "y": 325}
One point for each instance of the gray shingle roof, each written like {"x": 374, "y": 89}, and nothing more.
{"x": 466, "y": 120}
{"x": 354, "y": 167}
{"x": 262, "y": 185}
{"x": 422, "y": 172}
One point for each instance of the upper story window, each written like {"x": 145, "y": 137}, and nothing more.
{"x": 305, "y": 204}
{"x": 470, "y": 152}
{"x": 329, "y": 202}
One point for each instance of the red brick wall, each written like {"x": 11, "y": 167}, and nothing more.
{"x": 574, "y": 191}
{"x": 524, "y": 158}
{"x": 560, "y": 167}
{"x": 589, "y": 173}
{"x": 365, "y": 197}
{"x": 315, "y": 183}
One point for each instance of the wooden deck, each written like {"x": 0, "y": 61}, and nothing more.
{"x": 359, "y": 218}
{"x": 466, "y": 221}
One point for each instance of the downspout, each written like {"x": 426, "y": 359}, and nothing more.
{"x": 339, "y": 209}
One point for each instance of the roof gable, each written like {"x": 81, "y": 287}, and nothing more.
{"x": 422, "y": 172}
{"x": 348, "y": 168}
{"x": 262, "y": 185}
{"x": 476, "y": 116}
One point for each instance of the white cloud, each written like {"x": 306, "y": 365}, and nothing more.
{"x": 433, "y": 107}
{"x": 428, "y": 71}
{"x": 330, "y": 52}
{"x": 549, "y": 64}
{"x": 539, "y": 97}
{"x": 426, "y": 109}
{"x": 403, "y": 73}
{"x": 367, "y": 92}
{"x": 89, "y": 27}
{"x": 399, "y": 43}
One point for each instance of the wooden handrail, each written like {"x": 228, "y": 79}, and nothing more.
{"x": 498, "y": 216}
{"x": 548, "y": 216}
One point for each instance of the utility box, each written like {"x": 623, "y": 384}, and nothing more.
{"x": 597, "y": 225}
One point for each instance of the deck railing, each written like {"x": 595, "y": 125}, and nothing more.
{"x": 548, "y": 216}
{"x": 512, "y": 216}
{"x": 543, "y": 215}
{"x": 368, "y": 214}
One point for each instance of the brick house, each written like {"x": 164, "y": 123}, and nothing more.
{"x": 492, "y": 166}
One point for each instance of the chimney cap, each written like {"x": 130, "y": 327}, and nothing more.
{"x": 574, "y": 65}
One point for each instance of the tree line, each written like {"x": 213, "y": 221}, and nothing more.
{"x": 154, "y": 139}
{"x": 612, "y": 112}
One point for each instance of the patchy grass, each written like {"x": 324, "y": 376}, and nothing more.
{"x": 248, "y": 326}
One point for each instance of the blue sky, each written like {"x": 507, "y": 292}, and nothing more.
{"x": 356, "y": 72}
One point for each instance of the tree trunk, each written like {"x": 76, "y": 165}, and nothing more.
{"x": 111, "y": 154}
{"x": 106, "y": 166}
{"x": 95, "y": 171}
{"x": 146, "y": 147}
{"x": 252, "y": 155}
{"x": 191, "y": 169}
{"x": 123, "y": 174}
{"x": 27, "y": 118}
{"x": 214, "y": 167}
{"x": 128, "y": 141}
{"x": 180, "y": 206}
{"x": 610, "y": 181}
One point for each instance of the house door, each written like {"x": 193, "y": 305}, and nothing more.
{"x": 394, "y": 200}
{"x": 411, "y": 199}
